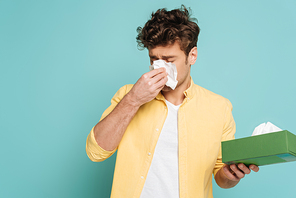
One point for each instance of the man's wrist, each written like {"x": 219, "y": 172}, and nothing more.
{"x": 131, "y": 100}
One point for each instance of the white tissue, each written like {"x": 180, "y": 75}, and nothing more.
{"x": 265, "y": 128}
{"x": 170, "y": 69}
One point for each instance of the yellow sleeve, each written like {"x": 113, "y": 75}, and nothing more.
{"x": 228, "y": 134}
{"x": 93, "y": 150}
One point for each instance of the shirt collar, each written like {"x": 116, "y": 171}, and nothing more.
{"x": 160, "y": 96}
{"x": 189, "y": 92}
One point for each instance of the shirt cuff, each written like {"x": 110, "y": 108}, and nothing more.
{"x": 94, "y": 151}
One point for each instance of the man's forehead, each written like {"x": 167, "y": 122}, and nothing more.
{"x": 162, "y": 54}
{"x": 167, "y": 51}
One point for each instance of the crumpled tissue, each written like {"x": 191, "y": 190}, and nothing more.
{"x": 265, "y": 128}
{"x": 170, "y": 69}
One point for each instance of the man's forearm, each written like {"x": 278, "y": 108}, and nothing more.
{"x": 109, "y": 131}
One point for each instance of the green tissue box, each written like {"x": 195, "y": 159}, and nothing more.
{"x": 260, "y": 150}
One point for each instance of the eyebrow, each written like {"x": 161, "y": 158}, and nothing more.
{"x": 163, "y": 57}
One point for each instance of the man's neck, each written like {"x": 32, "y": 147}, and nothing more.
{"x": 177, "y": 96}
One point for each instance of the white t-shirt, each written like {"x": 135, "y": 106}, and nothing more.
{"x": 163, "y": 177}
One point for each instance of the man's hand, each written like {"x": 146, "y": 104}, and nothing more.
{"x": 148, "y": 86}
{"x": 229, "y": 175}
{"x": 236, "y": 172}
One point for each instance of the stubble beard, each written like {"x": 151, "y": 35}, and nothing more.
{"x": 166, "y": 89}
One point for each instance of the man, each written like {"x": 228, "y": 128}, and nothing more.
{"x": 167, "y": 141}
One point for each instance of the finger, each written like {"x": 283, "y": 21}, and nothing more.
{"x": 146, "y": 78}
{"x": 158, "y": 78}
{"x": 244, "y": 168}
{"x": 229, "y": 174}
{"x": 154, "y": 72}
{"x": 238, "y": 173}
{"x": 254, "y": 168}
{"x": 160, "y": 84}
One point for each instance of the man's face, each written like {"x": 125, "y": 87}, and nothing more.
{"x": 173, "y": 53}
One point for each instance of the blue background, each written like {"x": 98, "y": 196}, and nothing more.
{"x": 62, "y": 61}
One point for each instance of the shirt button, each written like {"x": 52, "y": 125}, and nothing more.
{"x": 156, "y": 129}
{"x": 142, "y": 177}
{"x": 149, "y": 153}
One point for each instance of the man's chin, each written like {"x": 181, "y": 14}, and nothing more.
{"x": 166, "y": 88}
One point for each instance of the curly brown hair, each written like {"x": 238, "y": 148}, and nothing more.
{"x": 166, "y": 27}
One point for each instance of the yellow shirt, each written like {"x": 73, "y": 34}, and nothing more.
{"x": 204, "y": 120}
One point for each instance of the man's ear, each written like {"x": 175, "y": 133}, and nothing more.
{"x": 192, "y": 56}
